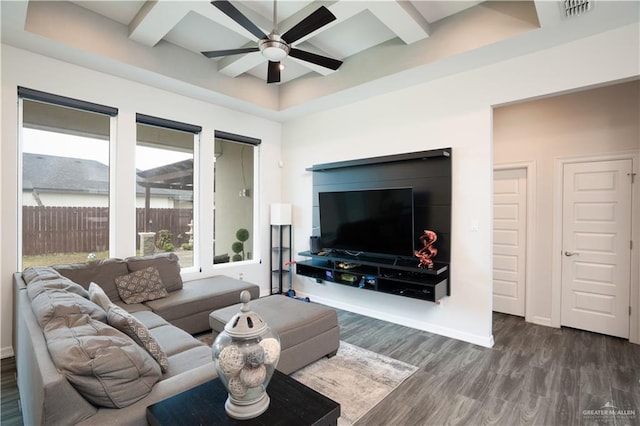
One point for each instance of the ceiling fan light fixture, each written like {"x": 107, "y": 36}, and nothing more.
{"x": 273, "y": 48}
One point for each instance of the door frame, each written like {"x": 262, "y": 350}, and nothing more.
{"x": 530, "y": 169}
{"x": 556, "y": 262}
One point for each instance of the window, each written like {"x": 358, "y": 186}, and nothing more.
{"x": 165, "y": 188}
{"x": 65, "y": 179}
{"x": 234, "y": 197}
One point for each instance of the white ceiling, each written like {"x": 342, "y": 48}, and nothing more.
{"x": 385, "y": 44}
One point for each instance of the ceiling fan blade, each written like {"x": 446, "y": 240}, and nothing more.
{"x": 230, "y": 10}
{"x": 323, "y": 61}
{"x": 273, "y": 73}
{"x": 321, "y": 17}
{"x": 219, "y": 53}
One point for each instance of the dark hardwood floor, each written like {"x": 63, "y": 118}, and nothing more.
{"x": 9, "y": 408}
{"x": 533, "y": 375}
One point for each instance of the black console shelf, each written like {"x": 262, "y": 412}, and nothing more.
{"x": 397, "y": 276}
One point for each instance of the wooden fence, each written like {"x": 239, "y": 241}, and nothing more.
{"x": 47, "y": 230}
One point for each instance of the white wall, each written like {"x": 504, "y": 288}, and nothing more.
{"x": 22, "y": 68}
{"x": 454, "y": 111}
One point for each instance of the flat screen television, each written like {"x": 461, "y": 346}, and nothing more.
{"x": 374, "y": 221}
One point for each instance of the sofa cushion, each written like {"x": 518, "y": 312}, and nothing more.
{"x": 132, "y": 327}
{"x": 39, "y": 272}
{"x": 37, "y": 286}
{"x": 105, "y": 366}
{"x": 188, "y": 360}
{"x": 174, "y": 340}
{"x": 166, "y": 263}
{"x": 149, "y": 318}
{"x": 102, "y": 272}
{"x": 133, "y": 307}
{"x": 98, "y": 296}
{"x": 204, "y": 295}
{"x": 141, "y": 286}
{"x": 54, "y": 303}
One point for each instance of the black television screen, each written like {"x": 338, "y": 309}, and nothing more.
{"x": 376, "y": 221}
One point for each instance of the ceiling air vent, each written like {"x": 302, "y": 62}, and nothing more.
{"x": 573, "y": 8}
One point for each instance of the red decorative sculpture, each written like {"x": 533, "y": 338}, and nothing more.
{"x": 427, "y": 252}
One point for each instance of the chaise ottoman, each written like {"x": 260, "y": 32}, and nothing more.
{"x": 307, "y": 331}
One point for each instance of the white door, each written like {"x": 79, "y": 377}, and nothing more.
{"x": 596, "y": 251}
{"x": 509, "y": 240}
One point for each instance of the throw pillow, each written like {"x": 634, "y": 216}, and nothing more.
{"x": 122, "y": 320}
{"x": 167, "y": 264}
{"x": 140, "y": 286}
{"x": 98, "y": 296}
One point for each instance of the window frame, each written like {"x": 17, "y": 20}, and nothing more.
{"x": 196, "y": 131}
{"x": 255, "y": 144}
{"x": 33, "y": 95}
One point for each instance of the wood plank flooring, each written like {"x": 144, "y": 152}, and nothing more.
{"x": 9, "y": 408}
{"x": 533, "y": 375}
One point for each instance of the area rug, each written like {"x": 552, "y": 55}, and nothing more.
{"x": 356, "y": 378}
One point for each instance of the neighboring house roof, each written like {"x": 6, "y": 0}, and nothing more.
{"x": 50, "y": 173}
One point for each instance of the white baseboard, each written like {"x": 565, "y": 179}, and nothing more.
{"x": 486, "y": 341}
{"x": 6, "y": 352}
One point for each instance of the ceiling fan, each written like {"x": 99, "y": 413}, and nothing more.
{"x": 276, "y": 47}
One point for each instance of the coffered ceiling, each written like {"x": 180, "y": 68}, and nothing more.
{"x": 198, "y": 26}
{"x": 384, "y": 44}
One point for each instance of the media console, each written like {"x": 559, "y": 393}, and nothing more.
{"x": 398, "y": 276}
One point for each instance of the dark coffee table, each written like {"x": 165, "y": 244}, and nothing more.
{"x": 292, "y": 403}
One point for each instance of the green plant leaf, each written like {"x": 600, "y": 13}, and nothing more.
{"x": 237, "y": 247}
{"x": 242, "y": 234}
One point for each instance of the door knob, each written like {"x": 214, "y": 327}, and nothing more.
{"x": 571, "y": 253}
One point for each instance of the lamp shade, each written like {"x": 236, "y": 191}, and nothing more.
{"x": 280, "y": 214}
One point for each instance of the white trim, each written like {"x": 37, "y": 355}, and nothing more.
{"x": 113, "y": 173}
{"x": 556, "y": 267}
{"x": 197, "y": 189}
{"x": 6, "y": 352}
{"x": 258, "y": 217}
{"x": 530, "y": 169}
{"x": 476, "y": 339}
{"x": 203, "y": 225}
{"x": 20, "y": 184}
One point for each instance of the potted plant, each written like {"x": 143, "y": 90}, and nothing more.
{"x": 242, "y": 235}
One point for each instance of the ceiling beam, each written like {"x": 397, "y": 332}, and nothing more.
{"x": 401, "y": 18}
{"x": 213, "y": 13}
{"x": 235, "y": 65}
{"x": 155, "y": 19}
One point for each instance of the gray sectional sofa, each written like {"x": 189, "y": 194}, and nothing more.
{"x": 87, "y": 357}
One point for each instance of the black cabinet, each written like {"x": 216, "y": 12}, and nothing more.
{"x": 400, "y": 277}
